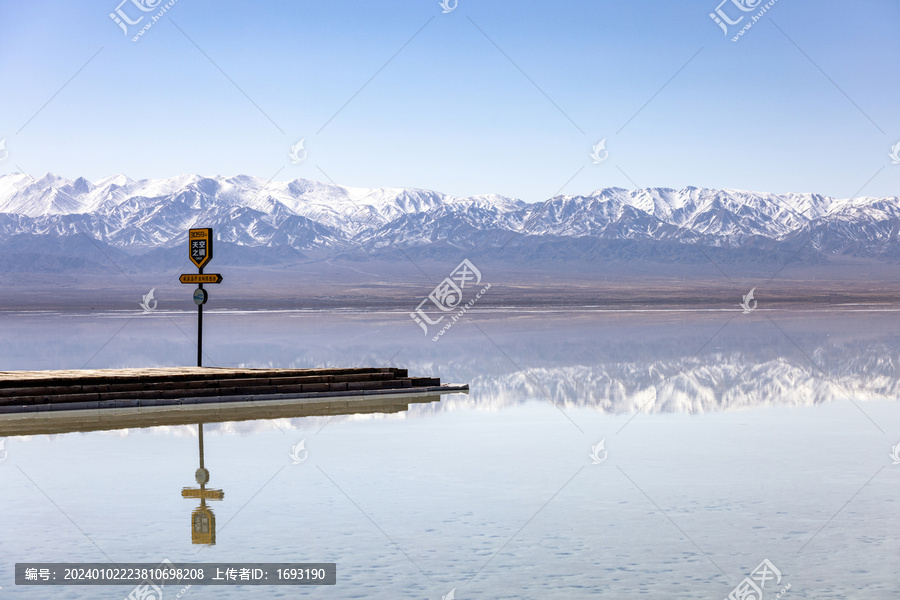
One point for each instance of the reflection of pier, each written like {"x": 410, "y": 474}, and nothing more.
{"x": 203, "y": 521}
{"x": 67, "y": 421}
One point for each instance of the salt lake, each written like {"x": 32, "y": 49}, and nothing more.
{"x": 661, "y": 454}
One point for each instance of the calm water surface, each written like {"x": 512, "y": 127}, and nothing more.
{"x": 727, "y": 439}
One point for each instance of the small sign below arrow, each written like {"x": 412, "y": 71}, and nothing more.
{"x": 201, "y": 278}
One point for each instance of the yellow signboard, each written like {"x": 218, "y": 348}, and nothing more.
{"x": 204, "y": 278}
{"x": 202, "y": 493}
{"x": 203, "y": 526}
{"x": 200, "y": 245}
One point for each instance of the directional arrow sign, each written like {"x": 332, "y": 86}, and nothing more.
{"x": 202, "y": 493}
{"x": 201, "y": 246}
{"x": 198, "y": 278}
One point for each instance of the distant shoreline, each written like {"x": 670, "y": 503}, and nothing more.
{"x": 395, "y": 306}
{"x": 401, "y": 286}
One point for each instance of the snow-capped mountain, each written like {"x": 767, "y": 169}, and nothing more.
{"x": 310, "y": 217}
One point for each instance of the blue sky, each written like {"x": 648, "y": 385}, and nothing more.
{"x": 494, "y": 97}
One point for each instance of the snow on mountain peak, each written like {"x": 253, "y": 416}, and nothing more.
{"x": 305, "y": 214}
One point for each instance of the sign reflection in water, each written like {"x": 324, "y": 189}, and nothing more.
{"x": 203, "y": 520}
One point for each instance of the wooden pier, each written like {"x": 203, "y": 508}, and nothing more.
{"x": 68, "y": 421}
{"x": 43, "y": 391}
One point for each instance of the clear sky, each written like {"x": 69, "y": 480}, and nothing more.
{"x": 503, "y": 97}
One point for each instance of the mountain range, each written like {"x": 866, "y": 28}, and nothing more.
{"x": 77, "y": 223}
{"x": 658, "y": 378}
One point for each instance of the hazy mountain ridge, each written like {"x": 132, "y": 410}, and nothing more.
{"x": 720, "y": 382}
{"x": 319, "y": 218}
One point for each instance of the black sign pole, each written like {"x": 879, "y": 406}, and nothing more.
{"x": 201, "y": 252}
{"x": 200, "y": 329}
